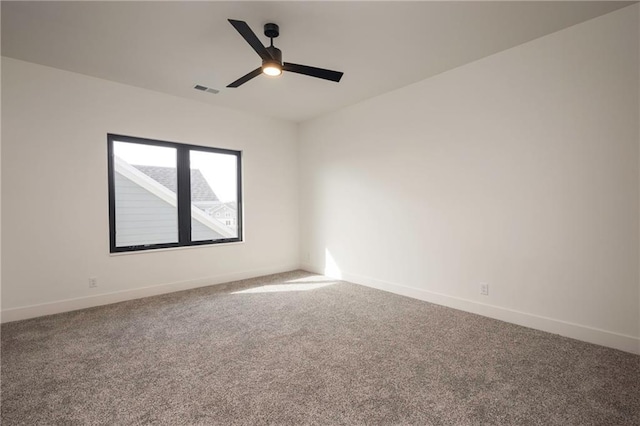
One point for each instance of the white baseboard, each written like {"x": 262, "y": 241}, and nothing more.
{"x": 575, "y": 331}
{"x": 33, "y": 311}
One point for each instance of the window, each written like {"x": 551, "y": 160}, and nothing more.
{"x": 161, "y": 194}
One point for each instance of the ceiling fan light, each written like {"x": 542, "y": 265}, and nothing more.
{"x": 272, "y": 68}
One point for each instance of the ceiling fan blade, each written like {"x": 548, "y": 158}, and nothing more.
{"x": 247, "y": 77}
{"x": 251, "y": 38}
{"x": 313, "y": 71}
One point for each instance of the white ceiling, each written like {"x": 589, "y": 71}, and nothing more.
{"x": 380, "y": 46}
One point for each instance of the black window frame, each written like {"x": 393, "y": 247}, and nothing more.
{"x": 183, "y": 193}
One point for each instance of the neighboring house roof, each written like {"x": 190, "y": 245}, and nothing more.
{"x": 232, "y": 205}
{"x": 166, "y": 176}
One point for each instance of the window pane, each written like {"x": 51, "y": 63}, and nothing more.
{"x": 214, "y": 203}
{"x": 145, "y": 194}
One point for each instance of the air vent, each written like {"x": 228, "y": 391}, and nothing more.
{"x": 205, "y": 89}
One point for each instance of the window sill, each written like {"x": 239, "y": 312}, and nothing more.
{"x": 200, "y": 246}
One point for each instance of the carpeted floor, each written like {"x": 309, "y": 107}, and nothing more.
{"x": 297, "y": 348}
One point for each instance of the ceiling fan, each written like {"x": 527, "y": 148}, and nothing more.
{"x": 272, "y": 57}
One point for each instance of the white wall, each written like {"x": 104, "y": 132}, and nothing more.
{"x": 54, "y": 191}
{"x": 520, "y": 170}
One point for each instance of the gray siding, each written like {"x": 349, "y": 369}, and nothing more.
{"x": 143, "y": 218}
{"x": 200, "y": 232}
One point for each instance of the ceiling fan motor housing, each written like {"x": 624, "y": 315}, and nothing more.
{"x": 275, "y": 53}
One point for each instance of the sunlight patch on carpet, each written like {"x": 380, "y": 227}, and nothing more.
{"x": 313, "y": 279}
{"x": 275, "y": 288}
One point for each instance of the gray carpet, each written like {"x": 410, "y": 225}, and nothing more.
{"x": 323, "y": 353}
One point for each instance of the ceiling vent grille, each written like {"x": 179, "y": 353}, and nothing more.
{"x": 205, "y": 89}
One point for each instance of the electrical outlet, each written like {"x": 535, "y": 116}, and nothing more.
{"x": 93, "y": 282}
{"x": 484, "y": 289}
